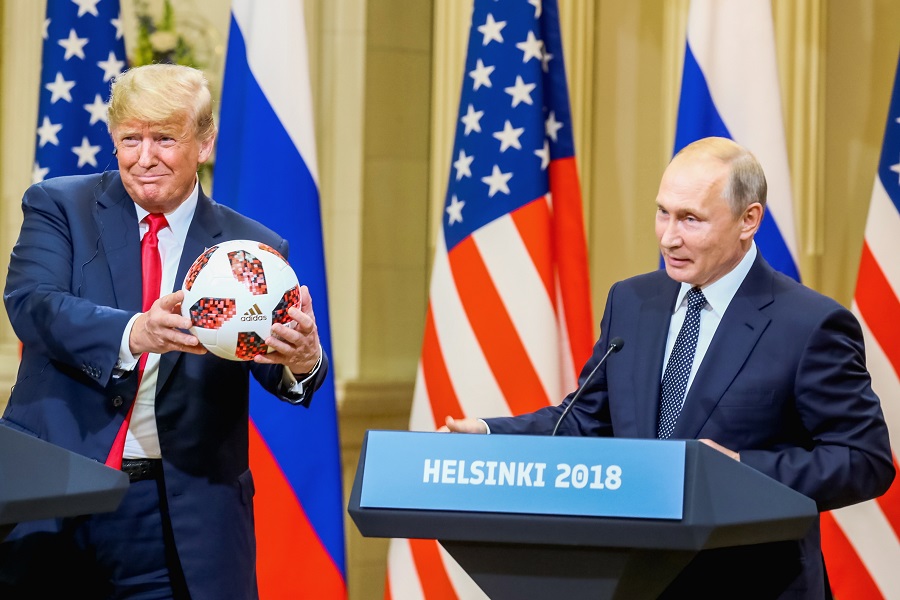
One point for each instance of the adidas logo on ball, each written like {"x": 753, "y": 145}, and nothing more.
{"x": 254, "y": 314}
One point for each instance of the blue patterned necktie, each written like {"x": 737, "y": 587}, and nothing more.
{"x": 678, "y": 370}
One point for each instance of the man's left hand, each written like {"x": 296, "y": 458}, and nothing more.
{"x": 295, "y": 346}
{"x": 730, "y": 453}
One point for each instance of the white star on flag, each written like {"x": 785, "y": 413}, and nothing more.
{"x": 47, "y": 133}
{"x": 521, "y": 92}
{"x": 87, "y": 6}
{"x": 497, "y": 181}
{"x": 74, "y": 45}
{"x": 87, "y": 154}
{"x": 537, "y": 8}
{"x": 544, "y": 155}
{"x": 117, "y": 23}
{"x": 895, "y": 168}
{"x": 552, "y": 126}
{"x": 472, "y": 120}
{"x": 481, "y": 75}
{"x": 509, "y": 136}
{"x": 531, "y": 48}
{"x": 491, "y": 30}
{"x": 38, "y": 173}
{"x": 112, "y": 66}
{"x": 97, "y": 109}
{"x": 454, "y": 210}
{"x": 60, "y": 88}
{"x": 463, "y": 165}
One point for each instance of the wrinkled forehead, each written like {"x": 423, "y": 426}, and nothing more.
{"x": 176, "y": 127}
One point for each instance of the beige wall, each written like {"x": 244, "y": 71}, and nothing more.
{"x": 386, "y": 77}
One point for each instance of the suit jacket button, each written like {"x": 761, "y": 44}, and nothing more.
{"x": 118, "y": 401}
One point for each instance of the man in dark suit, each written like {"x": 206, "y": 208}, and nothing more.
{"x": 74, "y": 297}
{"x": 774, "y": 374}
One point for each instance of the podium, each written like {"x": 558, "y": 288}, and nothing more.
{"x": 663, "y": 503}
{"x": 39, "y": 481}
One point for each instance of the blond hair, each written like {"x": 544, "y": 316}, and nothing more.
{"x": 163, "y": 93}
{"x": 746, "y": 179}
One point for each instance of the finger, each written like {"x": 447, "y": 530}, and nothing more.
{"x": 168, "y": 302}
{"x": 306, "y": 301}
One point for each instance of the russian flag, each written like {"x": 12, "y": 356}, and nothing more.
{"x": 266, "y": 169}
{"x": 730, "y": 89}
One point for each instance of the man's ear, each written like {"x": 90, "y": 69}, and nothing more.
{"x": 206, "y": 148}
{"x": 751, "y": 220}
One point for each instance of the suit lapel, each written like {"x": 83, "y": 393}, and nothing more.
{"x": 118, "y": 226}
{"x": 734, "y": 340}
{"x": 653, "y": 327}
{"x": 205, "y": 231}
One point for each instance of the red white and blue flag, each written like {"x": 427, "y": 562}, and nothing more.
{"x": 862, "y": 542}
{"x": 730, "y": 89}
{"x": 83, "y": 51}
{"x": 509, "y": 322}
{"x": 266, "y": 169}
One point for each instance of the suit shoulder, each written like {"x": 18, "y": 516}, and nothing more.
{"x": 70, "y": 184}
{"x": 243, "y": 226}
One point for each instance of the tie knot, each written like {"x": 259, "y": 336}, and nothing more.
{"x": 155, "y": 221}
{"x": 696, "y": 299}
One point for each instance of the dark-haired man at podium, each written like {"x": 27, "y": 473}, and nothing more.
{"x": 722, "y": 348}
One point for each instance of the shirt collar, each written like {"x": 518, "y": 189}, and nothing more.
{"x": 719, "y": 293}
{"x": 179, "y": 220}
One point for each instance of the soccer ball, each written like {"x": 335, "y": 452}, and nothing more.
{"x": 234, "y": 292}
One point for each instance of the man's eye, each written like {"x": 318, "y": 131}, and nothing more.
{"x": 130, "y": 142}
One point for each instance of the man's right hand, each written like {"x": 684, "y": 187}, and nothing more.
{"x": 159, "y": 329}
{"x": 463, "y": 426}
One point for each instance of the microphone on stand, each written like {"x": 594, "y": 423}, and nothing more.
{"x": 615, "y": 345}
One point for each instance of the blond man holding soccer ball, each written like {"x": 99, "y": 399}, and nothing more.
{"x": 110, "y": 372}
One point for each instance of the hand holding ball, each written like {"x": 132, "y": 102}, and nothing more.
{"x": 234, "y": 292}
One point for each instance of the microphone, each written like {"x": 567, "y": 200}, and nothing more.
{"x": 615, "y": 345}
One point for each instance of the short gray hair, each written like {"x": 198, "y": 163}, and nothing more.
{"x": 746, "y": 180}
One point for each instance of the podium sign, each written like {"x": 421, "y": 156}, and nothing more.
{"x": 639, "y": 479}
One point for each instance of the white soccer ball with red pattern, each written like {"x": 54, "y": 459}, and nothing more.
{"x": 234, "y": 292}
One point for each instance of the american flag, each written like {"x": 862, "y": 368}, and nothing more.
{"x": 83, "y": 51}
{"x": 861, "y": 543}
{"x": 508, "y": 322}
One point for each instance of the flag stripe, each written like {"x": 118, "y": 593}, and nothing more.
{"x": 876, "y": 300}
{"x": 532, "y": 221}
{"x": 279, "y": 521}
{"x": 495, "y": 331}
{"x": 874, "y": 542}
{"x": 437, "y": 381}
{"x": 504, "y": 250}
{"x": 890, "y": 504}
{"x": 847, "y": 574}
{"x": 403, "y": 580}
{"x": 476, "y": 388}
{"x": 885, "y": 379}
{"x": 570, "y": 255}
{"x": 882, "y": 226}
{"x": 434, "y": 579}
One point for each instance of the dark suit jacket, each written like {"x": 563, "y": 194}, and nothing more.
{"x": 74, "y": 282}
{"x": 784, "y": 382}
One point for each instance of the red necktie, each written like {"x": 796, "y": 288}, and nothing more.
{"x": 151, "y": 279}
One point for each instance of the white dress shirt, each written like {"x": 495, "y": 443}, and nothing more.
{"x": 718, "y": 296}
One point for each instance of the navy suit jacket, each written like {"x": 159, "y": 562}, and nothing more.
{"x": 74, "y": 282}
{"x": 784, "y": 382}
